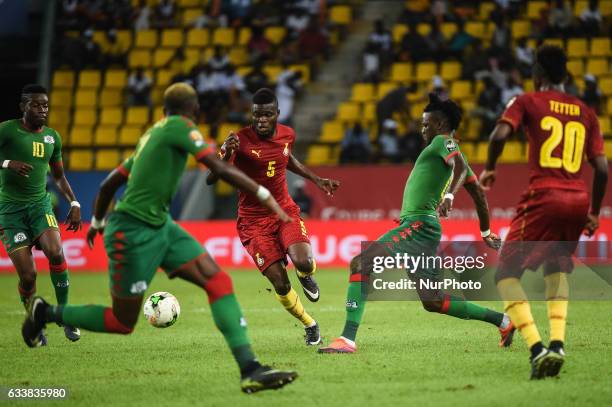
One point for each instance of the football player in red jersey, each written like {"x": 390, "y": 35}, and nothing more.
{"x": 555, "y": 209}
{"x": 263, "y": 151}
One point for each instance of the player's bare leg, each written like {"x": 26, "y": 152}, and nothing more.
{"x": 305, "y": 267}
{"x": 51, "y": 244}
{"x": 286, "y": 295}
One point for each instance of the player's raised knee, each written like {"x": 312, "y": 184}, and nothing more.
{"x": 304, "y": 264}
{"x": 114, "y": 325}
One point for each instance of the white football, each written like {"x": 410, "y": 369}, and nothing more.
{"x": 162, "y": 309}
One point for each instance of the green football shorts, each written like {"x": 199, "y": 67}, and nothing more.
{"x": 22, "y": 223}
{"x": 137, "y": 249}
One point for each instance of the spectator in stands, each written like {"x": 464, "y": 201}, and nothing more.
{"x": 120, "y": 12}
{"x": 355, "y": 146}
{"x": 260, "y": 48}
{"x": 238, "y": 104}
{"x": 459, "y": 41}
{"x": 560, "y": 19}
{"x": 570, "y": 85}
{"x": 512, "y": 88}
{"x": 142, "y": 16}
{"x": 500, "y": 41}
{"x": 313, "y": 41}
{"x": 393, "y": 102}
{"x": 592, "y": 95}
{"x": 116, "y": 53}
{"x": 414, "y": 46}
{"x": 475, "y": 60}
{"x": 205, "y": 20}
{"x": 436, "y": 43}
{"x": 388, "y": 142}
{"x": 256, "y": 78}
{"x": 70, "y": 13}
{"x": 165, "y": 14}
{"x": 289, "y": 84}
{"x": 301, "y": 198}
{"x": 219, "y": 60}
{"x": 488, "y": 106}
{"x": 384, "y": 41}
{"x": 590, "y": 19}
{"x": 524, "y": 57}
{"x": 139, "y": 89}
{"x": 296, "y": 22}
{"x": 411, "y": 144}
{"x": 237, "y": 13}
{"x": 312, "y": 7}
{"x": 206, "y": 87}
{"x": 371, "y": 63}
{"x": 439, "y": 88}
{"x": 92, "y": 55}
{"x": 439, "y": 9}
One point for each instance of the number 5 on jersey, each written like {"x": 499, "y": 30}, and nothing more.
{"x": 271, "y": 169}
{"x": 38, "y": 149}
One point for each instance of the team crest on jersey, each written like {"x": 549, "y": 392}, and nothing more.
{"x": 286, "y": 150}
{"x": 451, "y": 145}
{"x": 197, "y": 138}
{"x": 20, "y": 237}
{"x": 49, "y": 140}
{"x": 260, "y": 260}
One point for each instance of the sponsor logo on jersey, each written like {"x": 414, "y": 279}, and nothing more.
{"x": 257, "y": 153}
{"x": 260, "y": 260}
{"x": 286, "y": 150}
{"x": 138, "y": 287}
{"x": 49, "y": 140}
{"x": 451, "y": 145}
{"x": 20, "y": 237}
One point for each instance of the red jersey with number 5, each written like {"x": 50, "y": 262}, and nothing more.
{"x": 265, "y": 161}
{"x": 561, "y": 131}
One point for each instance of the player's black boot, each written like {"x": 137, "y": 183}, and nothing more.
{"x": 557, "y": 355}
{"x": 73, "y": 334}
{"x": 309, "y": 286}
{"x": 313, "y": 335}
{"x": 265, "y": 377}
{"x": 32, "y": 328}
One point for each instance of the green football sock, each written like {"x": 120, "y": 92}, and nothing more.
{"x": 355, "y": 306}
{"x": 90, "y": 317}
{"x": 60, "y": 284}
{"x": 460, "y": 308}
{"x": 229, "y": 320}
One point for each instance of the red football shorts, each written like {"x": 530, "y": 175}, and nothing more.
{"x": 267, "y": 239}
{"x": 545, "y": 230}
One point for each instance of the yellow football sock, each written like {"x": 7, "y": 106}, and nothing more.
{"x": 314, "y": 269}
{"x": 294, "y": 306}
{"x": 557, "y": 294}
{"x": 519, "y": 310}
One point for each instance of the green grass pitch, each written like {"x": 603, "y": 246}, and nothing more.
{"x": 406, "y": 355}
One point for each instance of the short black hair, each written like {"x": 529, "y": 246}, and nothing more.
{"x": 264, "y": 96}
{"x": 33, "y": 88}
{"x": 451, "y": 111}
{"x": 550, "y": 62}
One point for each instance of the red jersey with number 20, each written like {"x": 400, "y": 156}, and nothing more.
{"x": 265, "y": 161}
{"x": 561, "y": 130}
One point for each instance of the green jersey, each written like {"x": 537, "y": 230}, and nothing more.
{"x": 156, "y": 167}
{"x": 430, "y": 178}
{"x": 39, "y": 149}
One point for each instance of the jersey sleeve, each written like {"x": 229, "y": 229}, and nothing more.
{"x": 595, "y": 146}
{"x": 190, "y": 139}
{"x": 446, "y": 148}
{"x": 126, "y": 166}
{"x": 56, "y": 156}
{"x": 513, "y": 115}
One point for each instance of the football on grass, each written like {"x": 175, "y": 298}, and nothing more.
{"x": 162, "y": 309}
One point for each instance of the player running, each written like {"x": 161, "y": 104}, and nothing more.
{"x": 561, "y": 129}
{"x": 263, "y": 151}
{"x": 140, "y": 237}
{"x": 28, "y": 150}
{"x": 437, "y": 175}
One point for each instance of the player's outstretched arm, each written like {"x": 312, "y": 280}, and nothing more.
{"x": 482, "y": 208}
{"x": 326, "y": 185}
{"x": 231, "y": 144}
{"x": 74, "y": 214}
{"x": 600, "y": 181}
{"x": 497, "y": 140}
{"x": 240, "y": 180}
{"x": 103, "y": 198}
{"x": 459, "y": 169}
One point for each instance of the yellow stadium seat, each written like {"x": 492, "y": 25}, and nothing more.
{"x": 340, "y": 14}
{"x": 275, "y": 34}
{"x": 61, "y": 98}
{"x": 129, "y": 135}
{"x": 384, "y": 88}
{"x": 223, "y": 36}
{"x": 369, "y": 113}
{"x": 197, "y": 38}
{"x": 425, "y": 71}
{"x": 158, "y": 113}
{"x": 469, "y": 150}
{"x": 111, "y": 98}
{"x": 139, "y": 58}
{"x": 513, "y": 152}
{"x": 272, "y": 71}
{"x": 115, "y": 78}
{"x": 85, "y": 117}
{"x": 81, "y": 135}
{"x": 461, "y": 90}
{"x": 124, "y": 38}
{"x": 609, "y": 106}
{"x": 450, "y": 70}
{"x": 416, "y": 110}
{"x": 484, "y": 12}
{"x": 605, "y": 7}
{"x": 398, "y": 32}
{"x": 577, "y": 48}
{"x": 304, "y": 68}
{"x": 475, "y": 28}
{"x": 85, "y": 97}
{"x": 111, "y": 116}
{"x": 481, "y": 151}
{"x": 137, "y": 115}
{"x": 238, "y": 56}
{"x": 189, "y": 3}
{"x": 63, "y": 79}
{"x": 190, "y": 15}
{"x": 205, "y": 131}
{"x": 318, "y": 155}
{"x": 605, "y": 84}
{"x": 534, "y": 8}
{"x": 580, "y": 6}
{"x": 59, "y": 117}
{"x": 520, "y": 28}
{"x": 80, "y": 160}
{"x": 424, "y": 29}
{"x": 401, "y": 71}
{"x": 473, "y": 129}
{"x": 225, "y": 129}
{"x": 348, "y": 112}
{"x": 608, "y": 148}
{"x": 146, "y": 39}
{"x": 600, "y": 47}
{"x": 163, "y": 77}
{"x": 448, "y": 29}
{"x": 604, "y": 125}
{"x": 554, "y": 41}
{"x": 528, "y": 85}
{"x": 107, "y": 159}
{"x": 172, "y": 38}
{"x": 89, "y": 79}
{"x": 127, "y": 153}
{"x": 597, "y": 66}
{"x": 105, "y": 136}
{"x": 332, "y": 131}
{"x": 362, "y": 92}
{"x": 576, "y": 67}
{"x": 244, "y": 35}
{"x": 162, "y": 56}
